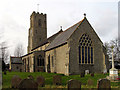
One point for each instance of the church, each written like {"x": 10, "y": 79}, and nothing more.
{"x": 70, "y": 51}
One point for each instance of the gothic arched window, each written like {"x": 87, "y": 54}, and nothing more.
{"x": 85, "y": 50}
{"x": 40, "y": 61}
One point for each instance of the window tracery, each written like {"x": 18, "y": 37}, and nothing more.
{"x": 85, "y": 50}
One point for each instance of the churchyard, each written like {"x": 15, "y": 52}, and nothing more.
{"x": 52, "y": 80}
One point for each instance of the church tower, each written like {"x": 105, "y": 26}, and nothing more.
{"x": 37, "y": 31}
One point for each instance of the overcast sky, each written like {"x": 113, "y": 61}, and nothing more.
{"x": 15, "y": 18}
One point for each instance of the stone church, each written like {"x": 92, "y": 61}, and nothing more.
{"x": 71, "y": 51}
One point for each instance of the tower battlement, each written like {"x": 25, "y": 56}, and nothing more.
{"x": 38, "y": 30}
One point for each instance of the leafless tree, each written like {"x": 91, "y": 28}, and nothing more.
{"x": 4, "y": 54}
{"x": 116, "y": 50}
{"x": 19, "y": 50}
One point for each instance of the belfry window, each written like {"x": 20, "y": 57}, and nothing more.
{"x": 85, "y": 50}
{"x": 39, "y": 22}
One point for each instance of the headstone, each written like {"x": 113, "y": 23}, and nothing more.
{"x": 57, "y": 80}
{"x": 74, "y": 84}
{"x": 30, "y": 77}
{"x": 41, "y": 81}
{"x": 86, "y": 72}
{"x": 28, "y": 84}
{"x": 82, "y": 74}
{"x": 103, "y": 83}
{"x": 90, "y": 82}
{"x": 15, "y": 81}
{"x": 92, "y": 74}
{"x": 105, "y": 71}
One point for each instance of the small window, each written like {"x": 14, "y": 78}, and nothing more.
{"x": 39, "y": 22}
{"x": 52, "y": 62}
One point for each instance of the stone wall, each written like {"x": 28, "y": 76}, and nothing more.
{"x": 37, "y": 31}
{"x": 59, "y": 60}
{"x": 73, "y": 42}
{"x": 31, "y": 63}
{"x": 16, "y": 67}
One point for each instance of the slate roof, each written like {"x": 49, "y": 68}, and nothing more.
{"x": 63, "y": 37}
{"x": 50, "y": 39}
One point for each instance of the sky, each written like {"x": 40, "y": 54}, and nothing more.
{"x": 15, "y": 18}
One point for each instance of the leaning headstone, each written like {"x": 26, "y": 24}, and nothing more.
{"x": 28, "y": 84}
{"x": 103, "y": 83}
{"x": 92, "y": 74}
{"x": 74, "y": 84}
{"x": 41, "y": 81}
{"x": 82, "y": 74}
{"x": 90, "y": 82}
{"x": 57, "y": 80}
{"x": 15, "y": 81}
{"x": 86, "y": 72}
{"x": 30, "y": 77}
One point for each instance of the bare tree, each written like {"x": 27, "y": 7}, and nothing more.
{"x": 4, "y": 52}
{"x": 116, "y": 50}
{"x": 19, "y": 50}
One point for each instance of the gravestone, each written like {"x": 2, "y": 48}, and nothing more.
{"x": 103, "y": 84}
{"x": 15, "y": 81}
{"x": 41, "y": 81}
{"x": 82, "y": 74}
{"x": 30, "y": 77}
{"x": 90, "y": 82}
{"x": 57, "y": 80}
{"x": 92, "y": 74}
{"x": 86, "y": 72}
{"x": 28, "y": 84}
{"x": 74, "y": 84}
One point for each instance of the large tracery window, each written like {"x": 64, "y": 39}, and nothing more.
{"x": 85, "y": 50}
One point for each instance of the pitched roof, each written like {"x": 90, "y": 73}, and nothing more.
{"x": 50, "y": 39}
{"x": 63, "y": 37}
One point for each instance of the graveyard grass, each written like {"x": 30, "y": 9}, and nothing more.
{"x": 49, "y": 79}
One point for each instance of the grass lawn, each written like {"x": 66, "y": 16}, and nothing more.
{"x": 49, "y": 77}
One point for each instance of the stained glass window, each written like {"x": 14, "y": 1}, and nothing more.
{"x": 85, "y": 50}
{"x": 85, "y": 54}
{"x": 79, "y": 54}
{"x": 82, "y": 54}
{"x": 91, "y": 55}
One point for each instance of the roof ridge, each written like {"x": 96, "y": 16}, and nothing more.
{"x": 77, "y": 26}
{"x": 73, "y": 25}
{"x": 63, "y": 36}
{"x": 55, "y": 34}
